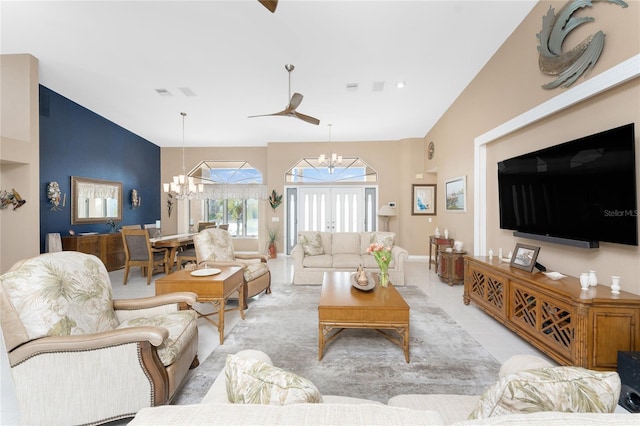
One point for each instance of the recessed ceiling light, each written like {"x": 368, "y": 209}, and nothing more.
{"x": 378, "y": 86}
{"x": 187, "y": 91}
{"x": 352, "y": 87}
{"x": 400, "y": 84}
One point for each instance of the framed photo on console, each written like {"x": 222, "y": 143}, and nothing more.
{"x": 524, "y": 257}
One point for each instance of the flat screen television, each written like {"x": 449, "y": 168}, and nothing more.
{"x": 582, "y": 190}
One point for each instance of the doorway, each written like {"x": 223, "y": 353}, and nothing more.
{"x": 329, "y": 209}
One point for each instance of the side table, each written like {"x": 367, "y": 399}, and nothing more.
{"x": 451, "y": 267}
{"x": 438, "y": 242}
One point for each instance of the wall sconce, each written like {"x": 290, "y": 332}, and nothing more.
{"x": 55, "y": 196}
{"x": 386, "y": 212}
{"x": 136, "y": 200}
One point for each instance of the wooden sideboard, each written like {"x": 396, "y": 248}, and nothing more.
{"x": 574, "y": 327}
{"x": 108, "y": 247}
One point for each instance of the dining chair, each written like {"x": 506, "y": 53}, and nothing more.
{"x": 205, "y": 225}
{"x": 186, "y": 256}
{"x": 131, "y": 226}
{"x": 154, "y": 231}
{"x": 138, "y": 252}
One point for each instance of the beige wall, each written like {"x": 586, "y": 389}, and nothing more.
{"x": 510, "y": 85}
{"x": 397, "y": 164}
{"x": 507, "y": 86}
{"x": 19, "y": 157}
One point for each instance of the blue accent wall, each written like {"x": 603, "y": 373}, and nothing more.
{"x": 77, "y": 142}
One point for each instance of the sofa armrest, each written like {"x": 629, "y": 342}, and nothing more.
{"x": 252, "y": 256}
{"x": 59, "y": 344}
{"x": 297, "y": 254}
{"x": 154, "y": 301}
{"x": 150, "y": 306}
{"x": 213, "y": 264}
{"x": 399, "y": 256}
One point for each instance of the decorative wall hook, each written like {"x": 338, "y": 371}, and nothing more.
{"x": 55, "y": 196}
{"x": 136, "y": 200}
{"x": 275, "y": 200}
{"x": 169, "y": 203}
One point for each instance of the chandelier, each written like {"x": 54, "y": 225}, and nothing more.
{"x": 330, "y": 162}
{"x": 183, "y": 187}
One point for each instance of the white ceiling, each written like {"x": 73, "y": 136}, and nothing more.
{"x": 111, "y": 56}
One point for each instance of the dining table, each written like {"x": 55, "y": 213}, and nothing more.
{"x": 173, "y": 243}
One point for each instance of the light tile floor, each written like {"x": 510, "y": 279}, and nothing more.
{"x": 497, "y": 339}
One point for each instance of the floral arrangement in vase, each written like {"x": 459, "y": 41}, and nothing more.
{"x": 383, "y": 258}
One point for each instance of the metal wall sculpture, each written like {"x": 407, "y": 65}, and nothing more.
{"x": 568, "y": 66}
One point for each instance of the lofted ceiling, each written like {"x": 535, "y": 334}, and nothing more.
{"x": 222, "y": 61}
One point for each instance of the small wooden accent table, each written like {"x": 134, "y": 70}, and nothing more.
{"x": 215, "y": 289}
{"x": 437, "y": 242}
{"x": 343, "y": 306}
{"x": 451, "y": 266}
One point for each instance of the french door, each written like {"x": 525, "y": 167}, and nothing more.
{"x": 329, "y": 209}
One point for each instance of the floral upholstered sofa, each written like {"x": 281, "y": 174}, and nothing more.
{"x": 319, "y": 252}
{"x": 251, "y": 391}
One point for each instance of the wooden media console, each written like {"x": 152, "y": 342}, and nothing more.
{"x": 572, "y": 326}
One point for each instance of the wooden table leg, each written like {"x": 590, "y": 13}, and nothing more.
{"x": 242, "y": 300}
{"x": 320, "y": 342}
{"x": 430, "y": 245}
{"x": 405, "y": 344}
{"x": 172, "y": 258}
{"x": 221, "y": 307}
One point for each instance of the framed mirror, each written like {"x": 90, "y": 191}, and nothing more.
{"x": 95, "y": 200}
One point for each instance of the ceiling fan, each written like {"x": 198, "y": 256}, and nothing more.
{"x": 270, "y": 4}
{"x": 295, "y": 100}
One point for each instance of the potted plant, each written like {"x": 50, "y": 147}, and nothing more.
{"x": 272, "y": 237}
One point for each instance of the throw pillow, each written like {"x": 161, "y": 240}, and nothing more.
{"x": 251, "y": 381}
{"x": 566, "y": 389}
{"x": 311, "y": 244}
{"x": 522, "y": 362}
{"x": 383, "y": 238}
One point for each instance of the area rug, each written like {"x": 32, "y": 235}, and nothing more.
{"x": 445, "y": 359}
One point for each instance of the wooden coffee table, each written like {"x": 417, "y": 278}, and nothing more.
{"x": 343, "y": 306}
{"x": 215, "y": 289}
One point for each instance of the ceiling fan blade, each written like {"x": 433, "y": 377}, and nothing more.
{"x": 295, "y": 101}
{"x": 283, "y": 113}
{"x": 306, "y": 118}
{"x": 270, "y": 4}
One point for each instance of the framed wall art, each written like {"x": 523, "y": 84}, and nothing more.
{"x": 524, "y": 257}
{"x": 455, "y": 192}
{"x": 424, "y": 200}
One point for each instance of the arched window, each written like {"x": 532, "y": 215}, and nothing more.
{"x": 230, "y": 196}
{"x": 352, "y": 170}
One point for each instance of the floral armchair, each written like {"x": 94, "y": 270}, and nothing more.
{"x": 214, "y": 246}
{"x": 76, "y": 355}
